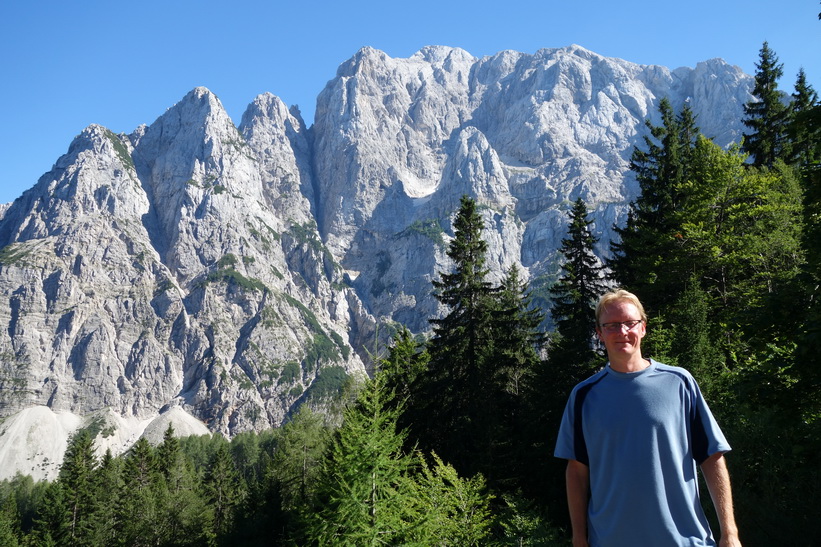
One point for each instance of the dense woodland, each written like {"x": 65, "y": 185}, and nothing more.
{"x": 450, "y": 443}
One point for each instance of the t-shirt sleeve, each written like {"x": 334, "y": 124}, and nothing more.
{"x": 706, "y": 436}
{"x": 566, "y": 444}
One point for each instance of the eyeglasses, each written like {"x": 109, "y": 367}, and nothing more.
{"x": 616, "y": 326}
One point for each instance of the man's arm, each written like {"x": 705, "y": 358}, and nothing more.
{"x": 577, "y": 477}
{"x": 718, "y": 483}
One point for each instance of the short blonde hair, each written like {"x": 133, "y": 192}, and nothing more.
{"x": 615, "y": 295}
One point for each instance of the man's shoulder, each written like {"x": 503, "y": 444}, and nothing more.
{"x": 595, "y": 378}
{"x": 681, "y": 373}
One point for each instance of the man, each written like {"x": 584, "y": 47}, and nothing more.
{"x": 633, "y": 434}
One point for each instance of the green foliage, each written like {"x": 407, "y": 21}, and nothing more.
{"x": 222, "y": 490}
{"x": 572, "y": 356}
{"x": 15, "y": 254}
{"x": 406, "y": 360}
{"x": 431, "y": 229}
{"x": 227, "y": 261}
{"x": 300, "y": 447}
{"x": 457, "y": 510}
{"x": 321, "y": 350}
{"x": 329, "y": 383}
{"x": 455, "y": 407}
{"x": 364, "y": 496}
{"x": 233, "y": 277}
{"x": 740, "y": 231}
{"x": 767, "y": 114}
{"x": 641, "y": 258}
{"x": 290, "y": 373}
{"x": 340, "y": 343}
{"x": 120, "y": 150}
{"x": 522, "y": 523}
{"x": 804, "y": 129}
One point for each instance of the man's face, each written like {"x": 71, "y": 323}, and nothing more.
{"x": 622, "y": 341}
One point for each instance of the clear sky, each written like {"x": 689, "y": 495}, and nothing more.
{"x": 65, "y": 65}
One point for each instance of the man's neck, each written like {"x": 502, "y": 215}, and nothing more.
{"x": 634, "y": 364}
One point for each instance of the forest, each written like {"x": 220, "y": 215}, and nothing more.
{"x": 451, "y": 441}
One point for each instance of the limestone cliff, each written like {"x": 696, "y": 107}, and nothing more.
{"x": 230, "y": 273}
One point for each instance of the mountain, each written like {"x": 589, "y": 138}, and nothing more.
{"x": 217, "y": 276}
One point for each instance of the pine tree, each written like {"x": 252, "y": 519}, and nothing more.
{"x": 768, "y": 116}
{"x": 641, "y": 256}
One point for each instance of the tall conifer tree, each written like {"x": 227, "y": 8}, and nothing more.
{"x": 767, "y": 115}
{"x": 641, "y": 257}
{"x": 223, "y": 490}
{"x": 805, "y": 130}
{"x": 77, "y": 481}
{"x": 454, "y": 413}
{"x": 574, "y": 297}
{"x": 139, "y": 507}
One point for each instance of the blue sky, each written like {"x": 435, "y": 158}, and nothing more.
{"x": 65, "y": 65}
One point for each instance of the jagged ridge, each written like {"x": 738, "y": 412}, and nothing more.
{"x": 232, "y": 273}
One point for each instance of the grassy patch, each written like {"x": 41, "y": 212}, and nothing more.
{"x": 431, "y": 229}
{"x": 329, "y": 383}
{"x": 120, "y": 149}
{"x": 290, "y": 373}
{"x": 14, "y": 254}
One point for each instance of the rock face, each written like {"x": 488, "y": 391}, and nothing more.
{"x": 398, "y": 141}
{"x": 233, "y": 273}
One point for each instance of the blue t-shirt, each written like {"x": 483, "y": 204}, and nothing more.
{"x": 641, "y": 435}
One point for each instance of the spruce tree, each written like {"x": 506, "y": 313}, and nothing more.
{"x": 573, "y": 357}
{"x": 138, "y": 508}
{"x": 453, "y": 409}
{"x": 108, "y": 488}
{"x": 183, "y": 517}
{"x": 9, "y": 522}
{"x": 804, "y": 131}
{"x": 767, "y": 115}
{"x": 517, "y": 337}
{"x": 517, "y": 345}
{"x": 222, "y": 491}
{"x": 406, "y": 360}
{"x": 641, "y": 257}
{"x": 77, "y": 481}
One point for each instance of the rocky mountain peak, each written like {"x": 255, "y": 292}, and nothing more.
{"x": 223, "y": 274}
